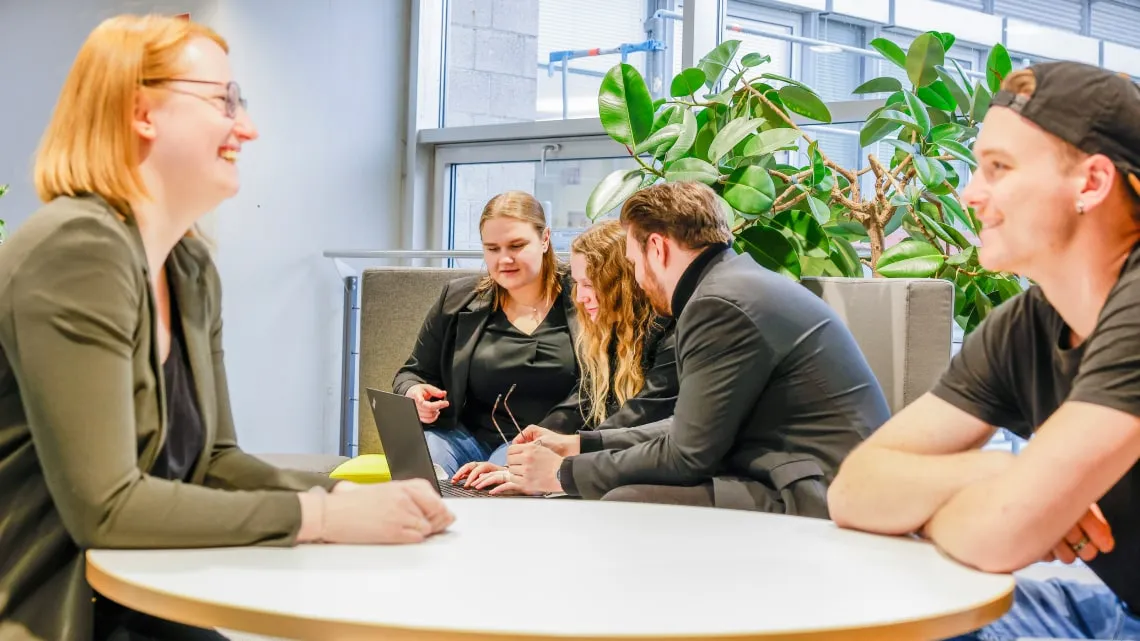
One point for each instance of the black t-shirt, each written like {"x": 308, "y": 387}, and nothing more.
{"x": 1016, "y": 369}
{"x": 184, "y": 434}
{"x": 541, "y": 366}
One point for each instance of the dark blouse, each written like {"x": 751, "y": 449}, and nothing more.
{"x": 541, "y": 366}
{"x": 184, "y": 434}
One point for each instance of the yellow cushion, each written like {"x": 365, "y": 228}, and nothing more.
{"x": 366, "y": 468}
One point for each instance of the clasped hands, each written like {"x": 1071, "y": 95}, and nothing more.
{"x": 1089, "y": 537}
{"x": 533, "y": 459}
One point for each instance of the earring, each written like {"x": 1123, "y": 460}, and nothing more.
{"x": 1080, "y": 208}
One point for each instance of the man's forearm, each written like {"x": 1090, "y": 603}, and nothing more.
{"x": 623, "y": 438}
{"x": 891, "y": 492}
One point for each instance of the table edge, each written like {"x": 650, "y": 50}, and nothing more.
{"x": 208, "y": 614}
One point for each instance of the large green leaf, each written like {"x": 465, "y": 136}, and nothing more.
{"x": 918, "y": 112}
{"x": 950, "y": 130}
{"x": 843, "y": 254}
{"x": 814, "y": 267}
{"x": 686, "y": 139}
{"x": 770, "y": 249}
{"x": 901, "y": 145}
{"x": 750, "y": 190}
{"x": 998, "y": 67}
{"x": 930, "y": 172}
{"x": 705, "y": 135}
{"x": 924, "y": 55}
{"x": 691, "y": 170}
{"x": 805, "y": 228}
{"x": 895, "y": 222}
{"x": 625, "y": 106}
{"x": 981, "y": 104}
{"x": 687, "y": 83}
{"x": 962, "y": 75}
{"x": 937, "y": 95}
{"x": 612, "y": 191}
{"x": 790, "y": 81}
{"x": 960, "y": 95}
{"x": 663, "y": 137}
{"x": 771, "y": 141}
{"x": 963, "y": 257}
{"x": 947, "y": 39}
{"x": 805, "y": 103}
{"x": 848, "y": 229}
{"x": 933, "y": 226}
{"x": 951, "y": 208}
{"x": 820, "y": 212}
{"x": 910, "y": 259}
{"x": 903, "y": 119}
{"x": 890, "y": 51}
{"x": 956, "y": 237}
{"x": 875, "y": 130}
{"x": 958, "y": 150}
{"x": 733, "y": 134}
{"x": 886, "y": 84}
{"x": 754, "y": 60}
{"x": 716, "y": 62}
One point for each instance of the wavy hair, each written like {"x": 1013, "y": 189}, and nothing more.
{"x": 624, "y": 318}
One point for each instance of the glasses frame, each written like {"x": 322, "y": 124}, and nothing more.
{"x": 506, "y": 407}
{"x": 233, "y": 97}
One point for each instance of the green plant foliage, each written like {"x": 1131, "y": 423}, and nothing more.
{"x": 732, "y": 125}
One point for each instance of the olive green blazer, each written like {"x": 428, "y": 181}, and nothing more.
{"x": 83, "y": 417}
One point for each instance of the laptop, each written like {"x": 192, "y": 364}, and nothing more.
{"x": 405, "y": 446}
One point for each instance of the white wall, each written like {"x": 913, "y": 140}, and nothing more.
{"x": 326, "y": 82}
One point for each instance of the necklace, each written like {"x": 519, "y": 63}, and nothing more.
{"x": 535, "y": 310}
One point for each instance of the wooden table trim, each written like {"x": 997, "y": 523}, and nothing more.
{"x": 210, "y": 614}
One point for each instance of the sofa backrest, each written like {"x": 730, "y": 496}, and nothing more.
{"x": 903, "y": 327}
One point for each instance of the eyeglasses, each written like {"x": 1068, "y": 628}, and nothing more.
{"x": 495, "y": 408}
{"x": 233, "y": 92}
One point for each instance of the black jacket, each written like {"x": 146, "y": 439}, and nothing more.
{"x": 774, "y": 393}
{"x": 655, "y": 400}
{"x": 443, "y": 351}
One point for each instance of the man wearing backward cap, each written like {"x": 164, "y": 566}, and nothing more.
{"x": 1057, "y": 190}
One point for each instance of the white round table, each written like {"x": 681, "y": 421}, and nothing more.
{"x": 558, "y": 569}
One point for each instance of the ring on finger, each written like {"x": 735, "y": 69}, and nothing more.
{"x": 1079, "y": 545}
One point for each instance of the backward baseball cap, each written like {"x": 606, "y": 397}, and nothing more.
{"x": 1093, "y": 109}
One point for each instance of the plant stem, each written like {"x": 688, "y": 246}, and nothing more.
{"x": 646, "y": 167}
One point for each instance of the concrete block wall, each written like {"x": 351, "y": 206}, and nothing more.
{"x": 492, "y": 61}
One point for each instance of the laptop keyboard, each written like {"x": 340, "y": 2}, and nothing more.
{"x": 448, "y": 489}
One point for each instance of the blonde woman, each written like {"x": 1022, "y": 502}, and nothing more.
{"x": 496, "y": 349}
{"x": 115, "y": 424}
{"x": 626, "y": 351}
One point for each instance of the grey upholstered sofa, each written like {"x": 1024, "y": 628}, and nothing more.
{"x": 903, "y": 327}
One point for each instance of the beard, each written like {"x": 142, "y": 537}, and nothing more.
{"x": 655, "y": 292}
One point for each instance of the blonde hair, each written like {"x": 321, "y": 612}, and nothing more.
{"x": 624, "y": 318}
{"x": 89, "y": 145}
{"x": 519, "y": 205}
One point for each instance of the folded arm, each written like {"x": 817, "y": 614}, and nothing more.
{"x": 1009, "y": 520}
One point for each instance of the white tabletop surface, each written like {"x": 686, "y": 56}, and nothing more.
{"x": 572, "y": 569}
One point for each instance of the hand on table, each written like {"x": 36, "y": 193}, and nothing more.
{"x": 1088, "y": 538}
{"x": 480, "y": 474}
{"x": 533, "y": 469}
{"x": 392, "y": 512}
{"x": 561, "y": 444}
{"x": 427, "y": 408}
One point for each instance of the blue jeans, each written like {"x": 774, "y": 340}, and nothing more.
{"x": 1058, "y": 609}
{"x": 453, "y": 448}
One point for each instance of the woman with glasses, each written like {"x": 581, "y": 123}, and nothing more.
{"x": 496, "y": 350}
{"x": 115, "y": 423}
{"x": 629, "y": 368}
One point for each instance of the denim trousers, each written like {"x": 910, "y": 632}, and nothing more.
{"x": 1058, "y": 609}
{"x": 453, "y": 448}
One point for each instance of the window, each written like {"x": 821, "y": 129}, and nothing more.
{"x": 498, "y": 53}
{"x": 1062, "y": 14}
{"x": 1116, "y": 22}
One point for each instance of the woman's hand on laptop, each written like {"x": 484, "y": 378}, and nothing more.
{"x": 424, "y": 395}
{"x": 477, "y": 470}
{"x": 562, "y": 444}
{"x": 392, "y": 512}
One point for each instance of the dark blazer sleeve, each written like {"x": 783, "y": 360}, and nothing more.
{"x": 229, "y": 466}
{"x": 569, "y": 416}
{"x": 71, "y": 341}
{"x": 423, "y": 365}
{"x": 721, "y": 349}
